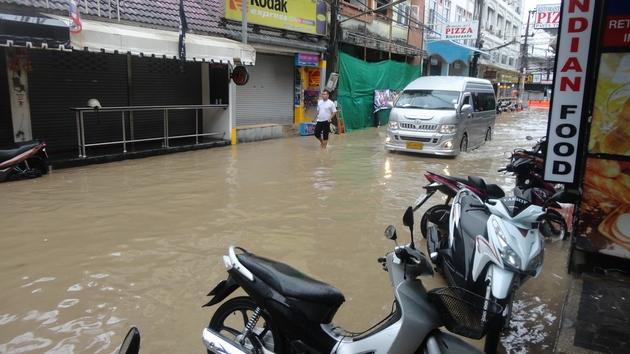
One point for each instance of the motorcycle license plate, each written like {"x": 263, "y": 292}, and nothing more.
{"x": 414, "y": 145}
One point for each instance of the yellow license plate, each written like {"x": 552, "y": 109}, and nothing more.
{"x": 414, "y": 145}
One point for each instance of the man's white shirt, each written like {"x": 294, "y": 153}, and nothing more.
{"x": 325, "y": 110}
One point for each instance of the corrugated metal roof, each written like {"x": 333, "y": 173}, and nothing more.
{"x": 204, "y": 16}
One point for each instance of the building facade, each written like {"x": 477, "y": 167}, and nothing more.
{"x": 502, "y": 24}
{"x": 393, "y": 33}
{"x": 58, "y": 54}
{"x": 499, "y": 25}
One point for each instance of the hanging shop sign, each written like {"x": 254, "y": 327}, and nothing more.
{"x": 547, "y": 16}
{"x": 567, "y": 110}
{"x": 460, "y": 30}
{"x": 239, "y": 75}
{"x": 307, "y": 59}
{"x": 307, "y": 16}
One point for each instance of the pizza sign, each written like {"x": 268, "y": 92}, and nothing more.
{"x": 547, "y": 16}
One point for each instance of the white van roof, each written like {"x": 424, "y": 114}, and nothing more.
{"x": 450, "y": 83}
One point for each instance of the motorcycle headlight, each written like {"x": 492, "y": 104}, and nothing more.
{"x": 393, "y": 125}
{"x": 448, "y": 129}
{"x": 508, "y": 255}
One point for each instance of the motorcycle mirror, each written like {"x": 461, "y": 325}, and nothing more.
{"x": 131, "y": 343}
{"x": 390, "y": 233}
{"x": 566, "y": 196}
{"x": 529, "y": 137}
{"x": 408, "y": 221}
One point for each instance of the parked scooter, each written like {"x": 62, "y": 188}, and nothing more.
{"x": 488, "y": 246}
{"x": 527, "y": 167}
{"x": 285, "y": 311}
{"x": 28, "y": 160}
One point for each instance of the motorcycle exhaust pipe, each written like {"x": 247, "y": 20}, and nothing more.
{"x": 216, "y": 343}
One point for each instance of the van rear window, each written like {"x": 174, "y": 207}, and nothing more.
{"x": 428, "y": 99}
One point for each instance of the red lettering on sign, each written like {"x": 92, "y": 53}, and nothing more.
{"x": 574, "y": 85}
{"x": 575, "y": 43}
{"x": 582, "y": 5}
{"x": 577, "y": 24}
{"x": 541, "y": 16}
{"x": 556, "y": 17}
{"x": 572, "y": 64}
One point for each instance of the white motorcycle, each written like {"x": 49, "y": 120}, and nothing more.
{"x": 490, "y": 247}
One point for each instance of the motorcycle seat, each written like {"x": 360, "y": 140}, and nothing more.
{"x": 290, "y": 282}
{"x": 492, "y": 190}
{"x": 6, "y": 154}
{"x": 473, "y": 219}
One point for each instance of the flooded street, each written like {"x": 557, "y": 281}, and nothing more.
{"x": 85, "y": 253}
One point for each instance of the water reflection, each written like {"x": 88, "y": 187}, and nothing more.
{"x": 91, "y": 251}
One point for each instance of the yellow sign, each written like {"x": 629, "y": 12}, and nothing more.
{"x": 307, "y": 16}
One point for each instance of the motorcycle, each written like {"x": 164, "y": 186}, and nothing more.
{"x": 285, "y": 311}
{"x": 527, "y": 166}
{"x": 131, "y": 342}
{"x": 488, "y": 246}
{"x": 28, "y": 160}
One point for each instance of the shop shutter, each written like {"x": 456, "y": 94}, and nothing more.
{"x": 159, "y": 82}
{"x": 6, "y": 127}
{"x": 60, "y": 80}
{"x": 268, "y": 96}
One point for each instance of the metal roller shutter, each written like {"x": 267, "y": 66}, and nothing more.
{"x": 268, "y": 96}
{"x": 60, "y": 80}
{"x": 6, "y": 126}
{"x": 157, "y": 82}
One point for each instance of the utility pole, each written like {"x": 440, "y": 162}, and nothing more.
{"x": 244, "y": 22}
{"x": 474, "y": 67}
{"x": 523, "y": 73}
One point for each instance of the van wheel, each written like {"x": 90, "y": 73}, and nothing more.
{"x": 463, "y": 146}
{"x": 489, "y": 134}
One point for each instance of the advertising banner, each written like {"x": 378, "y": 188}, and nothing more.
{"x": 307, "y": 16}
{"x": 384, "y": 99}
{"x": 604, "y": 220}
{"x": 460, "y": 30}
{"x": 547, "y": 16}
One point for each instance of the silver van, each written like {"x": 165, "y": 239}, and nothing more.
{"x": 442, "y": 115}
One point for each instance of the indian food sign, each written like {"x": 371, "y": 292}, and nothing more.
{"x": 588, "y": 132}
{"x": 306, "y": 16}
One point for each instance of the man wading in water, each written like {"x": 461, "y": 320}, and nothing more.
{"x": 326, "y": 111}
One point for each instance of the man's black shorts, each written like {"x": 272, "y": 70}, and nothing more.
{"x": 322, "y": 127}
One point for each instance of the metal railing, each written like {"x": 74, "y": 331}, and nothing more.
{"x": 80, "y": 120}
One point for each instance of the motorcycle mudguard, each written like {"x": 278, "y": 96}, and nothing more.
{"x": 448, "y": 343}
{"x": 501, "y": 282}
{"x": 222, "y": 290}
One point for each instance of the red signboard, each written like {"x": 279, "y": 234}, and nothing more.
{"x": 617, "y": 31}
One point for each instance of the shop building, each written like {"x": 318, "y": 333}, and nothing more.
{"x": 125, "y": 55}
{"x": 393, "y": 33}
{"x": 290, "y": 44}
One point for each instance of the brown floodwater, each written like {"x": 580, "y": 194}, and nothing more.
{"x": 85, "y": 253}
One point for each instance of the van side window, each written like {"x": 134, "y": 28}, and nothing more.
{"x": 466, "y": 100}
{"x": 477, "y": 102}
{"x": 483, "y": 101}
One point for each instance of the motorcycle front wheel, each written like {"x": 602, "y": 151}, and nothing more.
{"x": 231, "y": 318}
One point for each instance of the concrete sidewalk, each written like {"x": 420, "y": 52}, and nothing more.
{"x": 596, "y": 315}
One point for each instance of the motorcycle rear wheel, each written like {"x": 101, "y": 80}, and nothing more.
{"x": 231, "y": 318}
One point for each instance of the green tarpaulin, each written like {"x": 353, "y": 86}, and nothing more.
{"x": 359, "y": 79}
